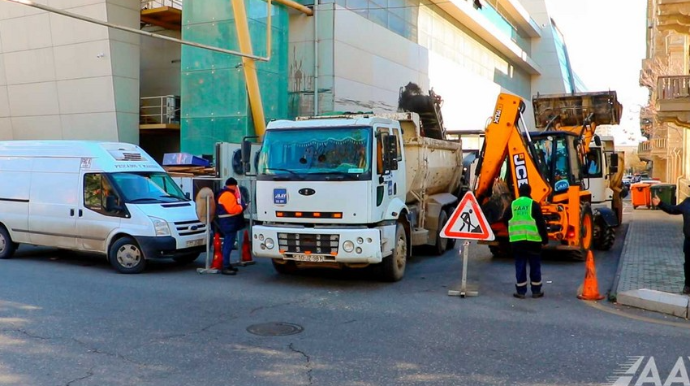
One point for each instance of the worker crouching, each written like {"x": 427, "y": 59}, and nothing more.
{"x": 527, "y": 232}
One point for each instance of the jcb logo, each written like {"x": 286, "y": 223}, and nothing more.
{"x": 520, "y": 169}
{"x": 497, "y": 114}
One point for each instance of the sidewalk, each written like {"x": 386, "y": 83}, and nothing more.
{"x": 650, "y": 273}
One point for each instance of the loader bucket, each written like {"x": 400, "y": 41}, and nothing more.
{"x": 574, "y": 109}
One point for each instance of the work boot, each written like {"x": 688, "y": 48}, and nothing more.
{"x": 519, "y": 296}
{"x": 229, "y": 271}
{"x": 686, "y": 290}
{"x": 539, "y": 294}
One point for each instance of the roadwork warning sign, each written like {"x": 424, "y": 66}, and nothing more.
{"x": 468, "y": 221}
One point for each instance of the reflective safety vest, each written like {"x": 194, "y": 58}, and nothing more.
{"x": 522, "y": 227}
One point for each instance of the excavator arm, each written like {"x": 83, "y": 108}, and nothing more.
{"x": 503, "y": 139}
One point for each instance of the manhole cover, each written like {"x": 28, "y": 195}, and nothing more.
{"x": 275, "y": 329}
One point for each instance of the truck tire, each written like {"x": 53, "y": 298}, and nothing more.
{"x": 7, "y": 246}
{"x": 393, "y": 266}
{"x": 441, "y": 242}
{"x": 186, "y": 259}
{"x": 286, "y": 268}
{"x": 126, "y": 256}
{"x": 451, "y": 242}
{"x": 586, "y": 232}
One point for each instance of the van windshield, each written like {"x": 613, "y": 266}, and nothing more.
{"x": 142, "y": 188}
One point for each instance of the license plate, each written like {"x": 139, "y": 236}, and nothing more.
{"x": 311, "y": 258}
{"x": 195, "y": 243}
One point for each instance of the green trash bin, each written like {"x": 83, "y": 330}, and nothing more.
{"x": 666, "y": 192}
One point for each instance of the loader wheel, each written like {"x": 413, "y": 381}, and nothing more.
{"x": 586, "y": 232}
{"x": 500, "y": 251}
{"x": 606, "y": 237}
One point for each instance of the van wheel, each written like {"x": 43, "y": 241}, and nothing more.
{"x": 7, "y": 247}
{"x": 126, "y": 256}
{"x": 393, "y": 266}
{"x": 186, "y": 259}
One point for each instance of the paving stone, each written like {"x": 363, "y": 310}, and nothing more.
{"x": 653, "y": 300}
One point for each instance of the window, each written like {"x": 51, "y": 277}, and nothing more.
{"x": 96, "y": 190}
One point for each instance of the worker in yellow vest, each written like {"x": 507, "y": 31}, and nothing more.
{"x": 527, "y": 232}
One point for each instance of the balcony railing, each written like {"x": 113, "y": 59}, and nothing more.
{"x": 160, "y": 111}
{"x": 673, "y": 87}
{"x": 652, "y": 145}
{"x": 151, "y": 4}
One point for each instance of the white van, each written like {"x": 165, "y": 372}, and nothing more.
{"x": 104, "y": 197}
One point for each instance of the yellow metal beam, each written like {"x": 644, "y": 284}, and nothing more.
{"x": 249, "y": 65}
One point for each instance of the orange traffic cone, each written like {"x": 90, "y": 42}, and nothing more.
{"x": 590, "y": 288}
{"x": 217, "y": 253}
{"x": 246, "y": 250}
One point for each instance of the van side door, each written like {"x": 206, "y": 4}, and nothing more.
{"x": 53, "y": 203}
{"x": 95, "y": 222}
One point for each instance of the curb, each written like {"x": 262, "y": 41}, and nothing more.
{"x": 653, "y": 300}
{"x": 613, "y": 293}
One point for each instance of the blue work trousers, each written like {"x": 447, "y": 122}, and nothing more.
{"x": 228, "y": 244}
{"x": 522, "y": 258}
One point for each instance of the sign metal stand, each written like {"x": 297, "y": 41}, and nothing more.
{"x": 468, "y": 223}
{"x": 208, "y": 268}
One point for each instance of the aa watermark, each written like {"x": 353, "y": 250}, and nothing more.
{"x": 643, "y": 371}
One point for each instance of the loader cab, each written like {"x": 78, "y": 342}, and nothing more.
{"x": 557, "y": 154}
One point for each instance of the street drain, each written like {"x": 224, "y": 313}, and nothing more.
{"x": 275, "y": 329}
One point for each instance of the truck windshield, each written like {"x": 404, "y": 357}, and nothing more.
{"x": 316, "y": 154}
{"x": 142, "y": 188}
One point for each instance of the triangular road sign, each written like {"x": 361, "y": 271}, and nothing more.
{"x": 468, "y": 221}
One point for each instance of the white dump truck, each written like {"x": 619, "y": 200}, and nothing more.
{"x": 353, "y": 190}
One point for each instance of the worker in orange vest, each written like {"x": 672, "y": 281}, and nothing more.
{"x": 229, "y": 212}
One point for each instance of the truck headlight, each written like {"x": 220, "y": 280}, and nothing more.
{"x": 269, "y": 243}
{"x": 161, "y": 226}
{"x": 348, "y": 246}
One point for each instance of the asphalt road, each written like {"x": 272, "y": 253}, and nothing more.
{"x": 68, "y": 319}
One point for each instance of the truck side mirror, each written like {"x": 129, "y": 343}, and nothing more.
{"x": 246, "y": 155}
{"x": 390, "y": 153}
{"x": 613, "y": 167}
{"x": 597, "y": 140}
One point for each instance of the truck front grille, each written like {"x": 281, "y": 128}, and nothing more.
{"x": 188, "y": 228}
{"x": 308, "y": 243}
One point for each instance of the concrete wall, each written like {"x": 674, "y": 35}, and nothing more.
{"x": 160, "y": 64}
{"x": 362, "y": 66}
{"x": 62, "y": 78}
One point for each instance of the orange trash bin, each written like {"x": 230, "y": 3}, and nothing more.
{"x": 641, "y": 195}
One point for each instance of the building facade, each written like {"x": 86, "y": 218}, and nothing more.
{"x": 346, "y": 55}
{"x": 664, "y": 72}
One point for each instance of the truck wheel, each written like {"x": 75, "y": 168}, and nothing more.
{"x": 451, "y": 242}
{"x": 586, "y": 232}
{"x": 126, "y": 256}
{"x": 284, "y": 268}
{"x": 441, "y": 243}
{"x": 186, "y": 259}
{"x": 7, "y": 247}
{"x": 393, "y": 266}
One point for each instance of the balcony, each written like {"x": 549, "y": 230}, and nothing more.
{"x": 673, "y": 15}
{"x": 673, "y": 100}
{"x": 162, "y": 13}
{"x": 160, "y": 113}
{"x": 654, "y": 147}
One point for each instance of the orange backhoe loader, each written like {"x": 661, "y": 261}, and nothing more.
{"x": 552, "y": 161}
